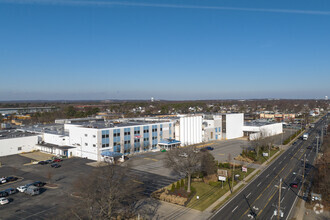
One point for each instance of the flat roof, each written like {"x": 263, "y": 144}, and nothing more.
{"x": 114, "y": 124}
{"x": 12, "y": 133}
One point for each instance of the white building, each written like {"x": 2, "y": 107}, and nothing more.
{"x": 17, "y": 142}
{"x": 190, "y": 130}
{"x": 232, "y": 125}
{"x": 256, "y": 130}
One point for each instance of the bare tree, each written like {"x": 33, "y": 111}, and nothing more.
{"x": 208, "y": 164}
{"x": 184, "y": 161}
{"x": 106, "y": 193}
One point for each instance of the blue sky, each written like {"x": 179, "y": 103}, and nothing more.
{"x": 174, "y": 49}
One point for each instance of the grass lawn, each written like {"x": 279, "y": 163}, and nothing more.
{"x": 209, "y": 194}
{"x": 261, "y": 159}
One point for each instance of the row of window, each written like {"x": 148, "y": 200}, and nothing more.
{"x": 94, "y": 136}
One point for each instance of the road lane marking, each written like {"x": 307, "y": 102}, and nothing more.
{"x": 258, "y": 184}
{"x": 267, "y": 175}
{"x": 234, "y": 209}
{"x": 273, "y": 180}
{"x": 248, "y": 195}
{"x": 280, "y": 162}
{"x": 282, "y": 199}
{"x": 274, "y": 168}
{"x": 221, "y": 154}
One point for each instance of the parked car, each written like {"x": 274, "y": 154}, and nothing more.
{"x": 21, "y": 188}
{"x": 209, "y": 148}
{"x": 42, "y": 162}
{"x": 11, "y": 178}
{"x": 294, "y": 185}
{"x": 183, "y": 155}
{"x": 11, "y": 191}
{"x": 32, "y": 190}
{"x": 57, "y": 160}
{"x": 3, "y": 194}
{"x": 3, "y": 180}
{"x": 38, "y": 183}
{"x": 55, "y": 165}
{"x": 48, "y": 161}
{"x": 162, "y": 150}
{"x": 3, "y": 201}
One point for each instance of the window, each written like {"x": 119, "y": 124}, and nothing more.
{"x": 85, "y": 135}
{"x": 136, "y": 132}
{"x": 116, "y": 134}
{"x": 146, "y": 131}
{"x": 154, "y": 138}
{"x": 127, "y": 133}
{"x": 19, "y": 148}
{"x": 94, "y": 145}
{"x": 127, "y": 142}
{"x": 103, "y": 145}
{"x": 94, "y": 136}
{"x": 146, "y": 139}
{"x": 154, "y": 130}
{"x": 86, "y": 144}
{"x": 136, "y": 140}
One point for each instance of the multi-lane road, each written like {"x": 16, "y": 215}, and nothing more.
{"x": 260, "y": 198}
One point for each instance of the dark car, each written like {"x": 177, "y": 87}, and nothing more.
{"x": 3, "y": 194}
{"x": 11, "y": 178}
{"x": 207, "y": 148}
{"x": 42, "y": 162}
{"x": 55, "y": 165}
{"x": 294, "y": 185}
{"x": 48, "y": 161}
{"x": 11, "y": 191}
{"x": 38, "y": 183}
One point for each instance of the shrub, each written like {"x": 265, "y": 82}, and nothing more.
{"x": 178, "y": 185}
{"x": 173, "y": 187}
{"x": 182, "y": 182}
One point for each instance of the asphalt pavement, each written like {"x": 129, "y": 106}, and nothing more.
{"x": 260, "y": 197}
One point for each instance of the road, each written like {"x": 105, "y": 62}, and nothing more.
{"x": 260, "y": 197}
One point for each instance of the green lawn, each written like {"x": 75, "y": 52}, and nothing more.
{"x": 209, "y": 194}
{"x": 261, "y": 159}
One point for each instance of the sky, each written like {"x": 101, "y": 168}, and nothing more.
{"x": 173, "y": 49}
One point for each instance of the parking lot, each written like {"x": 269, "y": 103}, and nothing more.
{"x": 45, "y": 205}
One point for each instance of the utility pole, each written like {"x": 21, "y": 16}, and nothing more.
{"x": 279, "y": 200}
{"x": 232, "y": 184}
{"x": 317, "y": 145}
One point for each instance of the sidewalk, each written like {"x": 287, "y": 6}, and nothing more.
{"x": 261, "y": 167}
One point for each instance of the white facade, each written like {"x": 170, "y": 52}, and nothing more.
{"x": 234, "y": 125}
{"x": 265, "y": 130}
{"x": 190, "y": 130}
{"x": 11, "y": 146}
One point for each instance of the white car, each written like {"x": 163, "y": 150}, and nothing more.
{"x": 4, "y": 201}
{"x": 183, "y": 155}
{"x": 3, "y": 180}
{"x": 22, "y": 188}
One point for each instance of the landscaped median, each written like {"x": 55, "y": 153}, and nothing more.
{"x": 204, "y": 190}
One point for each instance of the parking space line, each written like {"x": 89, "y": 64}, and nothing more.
{"x": 221, "y": 154}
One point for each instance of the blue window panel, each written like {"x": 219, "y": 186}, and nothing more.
{"x": 136, "y": 128}
{"x": 219, "y": 129}
{"x": 116, "y": 148}
{"x": 216, "y": 137}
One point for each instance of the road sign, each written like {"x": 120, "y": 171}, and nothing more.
{"x": 222, "y": 178}
{"x": 244, "y": 169}
{"x": 265, "y": 154}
